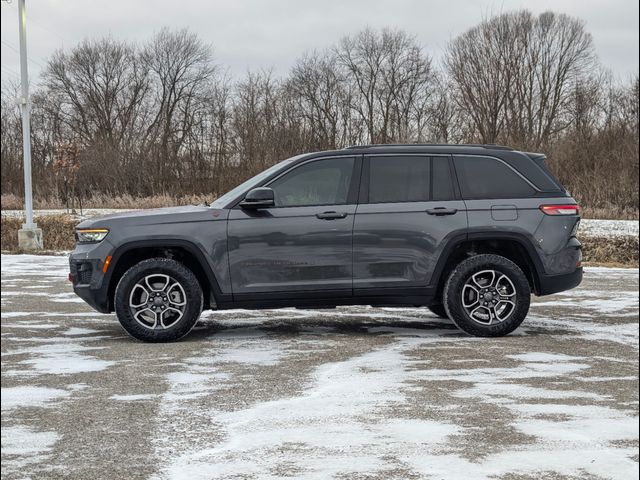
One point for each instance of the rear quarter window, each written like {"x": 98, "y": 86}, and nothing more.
{"x": 485, "y": 177}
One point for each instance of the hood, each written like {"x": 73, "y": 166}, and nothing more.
{"x": 189, "y": 213}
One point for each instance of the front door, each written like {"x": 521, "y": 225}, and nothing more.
{"x": 304, "y": 243}
{"x": 408, "y": 211}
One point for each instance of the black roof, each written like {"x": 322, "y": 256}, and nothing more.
{"x": 488, "y": 146}
{"x": 441, "y": 148}
{"x": 501, "y": 151}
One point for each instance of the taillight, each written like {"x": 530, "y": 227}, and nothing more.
{"x": 560, "y": 209}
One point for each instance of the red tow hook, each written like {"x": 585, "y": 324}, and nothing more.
{"x": 70, "y": 277}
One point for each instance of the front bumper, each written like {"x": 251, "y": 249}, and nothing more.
{"x": 558, "y": 283}
{"x": 96, "y": 298}
{"x": 89, "y": 282}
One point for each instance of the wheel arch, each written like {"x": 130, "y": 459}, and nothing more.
{"x": 513, "y": 246}
{"x": 130, "y": 253}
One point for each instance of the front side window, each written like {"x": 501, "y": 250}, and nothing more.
{"x": 484, "y": 177}
{"x": 321, "y": 182}
{"x": 399, "y": 179}
{"x": 220, "y": 202}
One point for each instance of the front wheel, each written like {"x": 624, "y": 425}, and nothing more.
{"x": 487, "y": 296}
{"x": 158, "y": 300}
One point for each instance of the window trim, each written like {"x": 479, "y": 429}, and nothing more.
{"x": 363, "y": 198}
{"x": 536, "y": 190}
{"x": 453, "y": 179}
{"x": 352, "y": 193}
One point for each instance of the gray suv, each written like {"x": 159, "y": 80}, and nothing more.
{"x": 468, "y": 231}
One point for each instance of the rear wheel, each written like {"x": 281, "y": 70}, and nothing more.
{"x": 487, "y": 296}
{"x": 158, "y": 300}
{"x": 438, "y": 310}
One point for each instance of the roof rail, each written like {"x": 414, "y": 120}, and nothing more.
{"x": 491, "y": 146}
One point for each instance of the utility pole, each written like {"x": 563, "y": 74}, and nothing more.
{"x": 29, "y": 236}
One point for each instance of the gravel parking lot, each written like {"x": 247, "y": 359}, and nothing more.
{"x": 351, "y": 393}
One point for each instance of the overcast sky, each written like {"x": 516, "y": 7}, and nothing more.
{"x": 254, "y": 34}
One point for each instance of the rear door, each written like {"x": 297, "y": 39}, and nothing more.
{"x": 303, "y": 244}
{"x": 407, "y": 212}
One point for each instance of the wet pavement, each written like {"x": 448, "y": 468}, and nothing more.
{"x": 351, "y": 393}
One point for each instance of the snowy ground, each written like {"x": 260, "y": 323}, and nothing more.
{"x": 609, "y": 228}
{"x": 351, "y": 393}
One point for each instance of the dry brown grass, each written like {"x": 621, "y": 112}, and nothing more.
{"x": 609, "y": 213}
{"x": 13, "y": 202}
{"x": 622, "y": 251}
{"x": 57, "y": 232}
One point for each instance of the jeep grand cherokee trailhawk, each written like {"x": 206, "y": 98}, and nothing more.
{"x": 468, "y": 231}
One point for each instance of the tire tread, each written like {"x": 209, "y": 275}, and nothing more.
{"x": 188, "y": 281}
{"x": 452, "y": 291}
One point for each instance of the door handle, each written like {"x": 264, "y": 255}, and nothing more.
{"x": 439, "y": 211}
{"x": 331, "y": 215}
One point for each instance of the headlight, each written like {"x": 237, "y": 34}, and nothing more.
{"x": 91, "y": 235}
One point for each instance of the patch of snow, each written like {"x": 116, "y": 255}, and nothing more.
{"x": 326, "y": 419}
{"x": 66, "y": 364}
{"x": 28, "y": 445}
{"x": 59, "y": 358}
{"x": 79, "y": 331}
{"x": 599, "y": 462}
{"x": 29, "y": 396}
{"x": 623, "y": 333}
{"x": 608, "y": 228}
{"x": 27, "y": 325}
{"x": 133, "y": 398}
{"x": 519, "y": 391}
{"x": 543, "y": 357}
{"x": 41, "y": 266}
{"x": 77, "y": 386}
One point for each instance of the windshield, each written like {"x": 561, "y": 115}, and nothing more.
{"x": 245, "y": 186}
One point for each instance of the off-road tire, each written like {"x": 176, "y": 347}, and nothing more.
{"x": 162, "y": 267}
{"x": 461, "y": 275}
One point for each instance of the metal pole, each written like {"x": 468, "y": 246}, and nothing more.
{"x": 25, "y": 105}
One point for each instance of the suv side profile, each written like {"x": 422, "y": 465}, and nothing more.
{"x": 469, "y": 231}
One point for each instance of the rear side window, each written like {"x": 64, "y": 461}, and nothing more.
{"x": 484, "y": 177}
{"x": 540, "y": 161}
{"x": 399, "y": 179}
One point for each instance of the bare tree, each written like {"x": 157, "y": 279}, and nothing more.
{"x": 318, "y": 88}
{"x": 478, "y": 63}
{"x": 180, "y": 68}
{"x": 515, "y": 73}
{"x": 159, "y": 118}
{"x": 391, "y": 76}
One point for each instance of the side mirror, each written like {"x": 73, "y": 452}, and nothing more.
{"x": 261, "y": 197}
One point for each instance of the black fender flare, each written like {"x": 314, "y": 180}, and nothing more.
{"x": 187, "y": 245}
{"x": 537, "y": 270}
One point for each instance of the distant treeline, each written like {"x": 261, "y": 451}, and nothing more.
{"x": 162, "y": 118}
